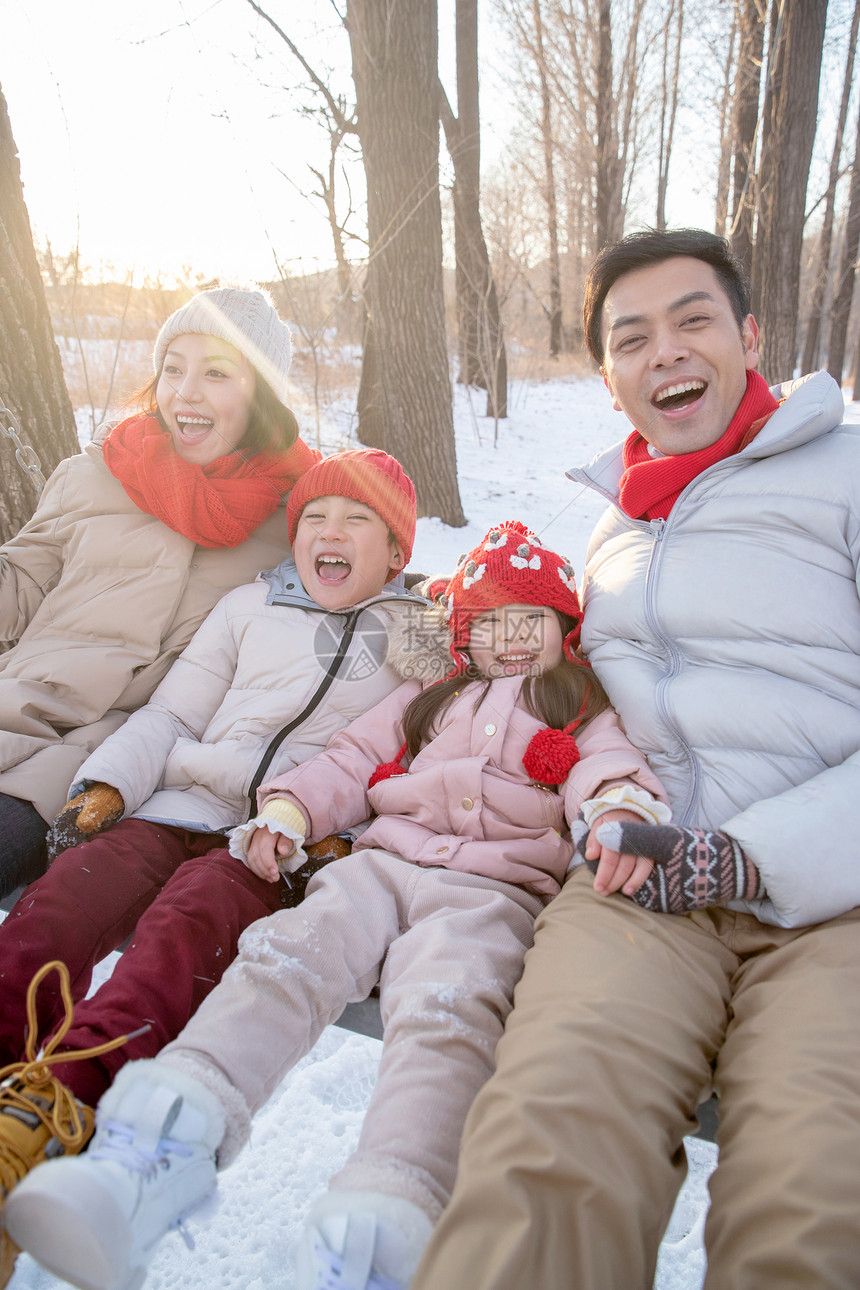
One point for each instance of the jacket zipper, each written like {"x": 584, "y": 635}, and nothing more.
{"x": 314, "y": 701}
{"x": 658, "y": 530}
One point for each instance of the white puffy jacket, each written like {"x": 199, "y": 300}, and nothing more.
{"x": 191, "y": 755}
{"x": 728, "y": 639}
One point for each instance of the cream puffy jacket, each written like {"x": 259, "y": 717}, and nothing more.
{"x": 467, "y": 802}
{"x": 728, "y": 639}
{"x": 260, "y": 660}
{"x": 102, "y": 598}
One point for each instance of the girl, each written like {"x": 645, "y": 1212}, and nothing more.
{"x": 132, "y": 543}
{"x": 473, "y": 782}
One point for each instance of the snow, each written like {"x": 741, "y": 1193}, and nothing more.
{"x": 311, "y": 1124}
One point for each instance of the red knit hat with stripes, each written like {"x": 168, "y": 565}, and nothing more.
{"x": 366, "y": 475}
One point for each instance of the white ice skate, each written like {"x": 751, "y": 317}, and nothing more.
{"x": 96, "y": 1219}
{"x": 356, "y": 1240}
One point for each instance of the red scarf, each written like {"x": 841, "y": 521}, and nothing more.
{"x": 650, "y": 486}
{"x": 218, "y": 505}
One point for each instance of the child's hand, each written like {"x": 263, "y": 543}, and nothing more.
{"x": 616, "y": 871}
{"x": 263, "y": 852}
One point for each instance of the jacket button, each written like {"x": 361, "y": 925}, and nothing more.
{"x": 441, "y": 851}
{"x": 467, "y": 803}
{"x": 489, "y": 729}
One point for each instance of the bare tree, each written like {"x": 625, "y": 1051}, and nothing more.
{"x": 749, "y": 16}
{"x": 549, "y": 188}
{"x": 394, "y": 57}
{"x": 482, "y": 354}
{"x": 668, "y": 102}
{"x": 721, "y": 214}
{"x": 822, "y": 257}
{"x": 31, "y": 374}
{"x": 788, "y": 133}
{"x": 848, "y": 268}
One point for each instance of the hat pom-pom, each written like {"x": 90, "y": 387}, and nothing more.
{"x": 551, "y": 756}
{"x": 385, "y": 770}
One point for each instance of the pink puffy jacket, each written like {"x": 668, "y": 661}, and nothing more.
{"x": 466, "y": 802}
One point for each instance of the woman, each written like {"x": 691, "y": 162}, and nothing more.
{"x": 134, "y": 540}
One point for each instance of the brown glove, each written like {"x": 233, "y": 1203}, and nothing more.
{"x": 91, "y": 812}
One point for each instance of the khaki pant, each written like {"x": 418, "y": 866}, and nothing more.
{"x": 447, "y": 949}
{"x": 572, "y": 1155}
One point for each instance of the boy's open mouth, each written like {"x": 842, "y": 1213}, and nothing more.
{"x": 675, "y": 397}
{"x": 332, "y": 569}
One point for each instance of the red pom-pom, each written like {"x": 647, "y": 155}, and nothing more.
{"x": 551, "y": 756}
{"x": 385, "y": 770}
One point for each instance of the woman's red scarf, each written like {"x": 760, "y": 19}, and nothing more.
{"x": 650, "y": 486}
{"x": 218, "y": 505}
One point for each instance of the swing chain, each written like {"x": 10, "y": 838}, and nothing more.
{"x": 25, "y": 456}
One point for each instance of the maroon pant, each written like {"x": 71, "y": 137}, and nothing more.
{"x": 181, "y": 894}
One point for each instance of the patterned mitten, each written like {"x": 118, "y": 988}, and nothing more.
{"x": 692, "y": 868}
{"x": 91, "y": 812}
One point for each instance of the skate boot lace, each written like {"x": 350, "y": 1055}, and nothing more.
{"x": 30, "y": 1093}
{"x": 331, "y": 1276}
{"x": 119, "y": 1147}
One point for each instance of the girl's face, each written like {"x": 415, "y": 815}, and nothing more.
{"x": 516, "y": 640}
{"x": 204, "y": 395}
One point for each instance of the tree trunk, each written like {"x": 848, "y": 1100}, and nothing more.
{"x": 609, "y": 166}
{"x": 750, "y": 22}
{"x": 845, "y": 283}
{"x": 669, "y": 108}
{"x": 550, "y": 197}
{"x": 788, "y": 134}
{"x": 721, "y": 214}
{"x": 394, "y": 56}
{"x": 482, "y": 355}
{"x": 822, "y": 259}
{"x": 31, "y": 374}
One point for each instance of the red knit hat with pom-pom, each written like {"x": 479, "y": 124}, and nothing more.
{"x": 510, "y": 566}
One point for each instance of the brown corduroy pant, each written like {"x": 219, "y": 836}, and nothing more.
{"x": 573, "y": 1154}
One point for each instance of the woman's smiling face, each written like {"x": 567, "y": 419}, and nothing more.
{"x": 204, "y": 395}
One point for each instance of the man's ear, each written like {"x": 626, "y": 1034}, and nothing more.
{"x": 749, "y": 337}
{"x": 615, "y": 404}
{"x": 395, "y": 558}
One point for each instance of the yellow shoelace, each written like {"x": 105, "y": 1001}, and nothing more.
{"x": 28, "y": 1088}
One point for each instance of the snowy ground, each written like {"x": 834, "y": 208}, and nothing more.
{"x": 312, "y": 1123}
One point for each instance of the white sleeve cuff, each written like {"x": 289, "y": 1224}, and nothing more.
{"x": 240, "y": 840}
{"x": 627, "y": 798}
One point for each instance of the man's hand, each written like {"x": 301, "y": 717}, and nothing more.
{"x": 264, "y": 850}
{"x": 614, "y": 869}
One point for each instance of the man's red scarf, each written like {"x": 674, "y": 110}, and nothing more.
{"x": 650, "y": 486}
{"x": 218, "y": 505}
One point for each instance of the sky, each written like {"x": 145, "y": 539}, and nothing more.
{"x": 167, "y": 137}
{"x": 168, "y": 134}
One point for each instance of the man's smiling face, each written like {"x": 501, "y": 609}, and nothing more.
{"x": 674, "y": 359}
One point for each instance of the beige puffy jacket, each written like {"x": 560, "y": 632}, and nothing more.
{"x": 101, "y": 598}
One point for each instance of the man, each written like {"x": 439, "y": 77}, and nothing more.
{"x": 722, "y": 615}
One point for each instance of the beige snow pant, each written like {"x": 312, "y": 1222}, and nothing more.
{"x": 447, "y": 949}
{"x": 572, "y": 1155}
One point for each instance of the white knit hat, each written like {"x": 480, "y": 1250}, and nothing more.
{"x": 247, "y": 319}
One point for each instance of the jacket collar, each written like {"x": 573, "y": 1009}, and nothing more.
{"x": 285, "y": 588}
